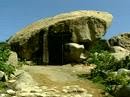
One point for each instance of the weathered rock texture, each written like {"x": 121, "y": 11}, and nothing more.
{"x": 74, "y": 52}
{"x": 122, "y": 40}
{"x": 44, "y": 40}
{"x": 119, "y": 53}
{"x": 13, "y": 59}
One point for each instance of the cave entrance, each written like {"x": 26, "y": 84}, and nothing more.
{"x": 55, "y": 48}
{"x": 58, "y": 35}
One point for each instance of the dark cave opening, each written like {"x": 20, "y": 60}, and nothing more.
{"x": 56, "y": 43}
{"x": 55, "y": 47}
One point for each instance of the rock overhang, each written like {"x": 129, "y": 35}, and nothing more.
{"x": 43, "y": 24}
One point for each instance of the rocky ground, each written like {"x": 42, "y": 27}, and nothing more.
{"x": 51, "y": 81}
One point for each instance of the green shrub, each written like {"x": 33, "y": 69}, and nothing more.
{"x": 101, "y": 59}
{"x": 4, "y": 54}
{"x": 104, "y": 61}
{"x": 105, "y": 65}
{"x": 113, "y": 82}
{"x": 7, "y": 68}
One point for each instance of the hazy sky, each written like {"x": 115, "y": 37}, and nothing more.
{"x": 16, "y": 14}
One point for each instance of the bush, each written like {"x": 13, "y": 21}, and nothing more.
{"x": 7, "y": 68}
{"x": 4, "y": 54}
{"x": 103, "y": 60}
{"x": 105, "y": 65}
{"x": 114, "y": 83}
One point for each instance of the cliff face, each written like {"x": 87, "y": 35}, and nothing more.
{"x": 44, "y": 40}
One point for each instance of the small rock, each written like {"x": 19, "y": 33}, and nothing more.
{"x": 40, "y": 95}
{"x": 36, "y": 91}
{"x": 89, "y": 95}
{"x": 11, "y": 81}
{"x": 65, "y": 91}
{"x": 53, "y": 90}
{"x": 3, "y": 95}
{"x": 74, "y": 88}
{"x": 26, "y": 95}
{"x": 27, "y": 89}
{"x": 123, "y": 70}
{"x": 44, "y": 87}
{"x": 11, "y": 92}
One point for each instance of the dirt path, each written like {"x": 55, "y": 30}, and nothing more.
{"x": 60, "y": 76}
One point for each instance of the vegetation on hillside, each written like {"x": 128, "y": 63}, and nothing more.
{"x": 4, "y": 54}
{"x": 8, "y": 69}
{"x": 106, "y": 69}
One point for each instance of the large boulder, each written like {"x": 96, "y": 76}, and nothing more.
{"x": 44, "y": 39}
{"x": 122, "y": 40}
{"x": 13, "y": 59}
{"x": 24, "y": 81}
{"x": 119, "y": 53}
{"x": 74, "y": 52}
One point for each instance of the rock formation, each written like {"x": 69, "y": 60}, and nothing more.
{"x": 13, "y": 59}
{"x": 74, "y": 52}
{"x": 43, "y": 41}
{"x": 119, "y": 53}
{"x": 122, "y": 40}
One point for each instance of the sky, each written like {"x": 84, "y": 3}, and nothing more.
{"x": 16, "y": 14}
